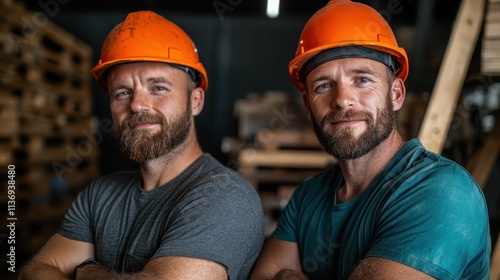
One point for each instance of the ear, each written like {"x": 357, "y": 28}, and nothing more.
{"x": 398, "y": 93}
{"x": 197, "y": 101}
{"x": 305, "y": 99}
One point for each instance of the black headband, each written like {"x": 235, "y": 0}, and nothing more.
{"x": 346, "y": 52}
{"x": 195, "y": 75}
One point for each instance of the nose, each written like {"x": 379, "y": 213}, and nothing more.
{"x": 344, "y": 96}
{"x": 141, "y": 101}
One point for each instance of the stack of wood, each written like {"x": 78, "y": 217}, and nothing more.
{"x": 286, "y": 158}
{"x": 490, "y": 64}
{"x": 277, "y": 149}
{"x": 45, "y": 111}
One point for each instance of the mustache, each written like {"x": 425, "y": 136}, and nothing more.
{"x": 142, "y": 119}
{"x": 340, "y": 116}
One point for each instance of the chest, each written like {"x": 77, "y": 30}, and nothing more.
{"x": 129, "y": 230}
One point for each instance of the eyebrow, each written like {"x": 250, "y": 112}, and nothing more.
{"x": 363, "y": 70}
{"x": 322, "y": 77}
{"x": 119, "y": 86}
{"x": 357, "y": 70}
{"x": 158, "y": 80}
{"x": 151, "y": 80}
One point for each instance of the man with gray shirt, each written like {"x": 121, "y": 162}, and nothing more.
{"x": 183, "y": 215}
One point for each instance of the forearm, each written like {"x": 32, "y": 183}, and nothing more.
{"x": 96, "y": 272}
{"x": 39, "y": 271}
{"x": 99, "y": 272}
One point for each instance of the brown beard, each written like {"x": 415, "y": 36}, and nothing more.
{"x": 342, "y": 145}
{"x": 140, "y": 145}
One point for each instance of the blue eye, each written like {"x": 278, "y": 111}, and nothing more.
{"x": 122, "y": 94}
{"x": 363, "y": 80}
{"x": 323, "y": 87}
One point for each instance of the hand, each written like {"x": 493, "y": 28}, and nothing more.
{"x": 88, "y": 270}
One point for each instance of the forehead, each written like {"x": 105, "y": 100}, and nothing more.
{"x": 143, "y": 69}
{"x": 349, "y": 66}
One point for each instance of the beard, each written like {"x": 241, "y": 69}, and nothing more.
{"x": 342, "y": 144}
{"x": 140, "y": 145}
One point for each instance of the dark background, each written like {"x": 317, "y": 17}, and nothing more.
{"x": 246, "y": 52}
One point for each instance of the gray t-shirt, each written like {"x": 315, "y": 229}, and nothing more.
{"x": 209, "y": 212}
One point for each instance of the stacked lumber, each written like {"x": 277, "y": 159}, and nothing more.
{"x": 289, "y": 158}
{"x": 286, "y": 158}
{"x": 47, "y": 123}
{"x": 276, "y": 149}
{"x": 490, "y": 56}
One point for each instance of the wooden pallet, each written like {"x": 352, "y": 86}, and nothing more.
{"x": 490, "y": 53}
{"x": 283, "y": 160}
{"x": 286, "y": 155}
{"x": 45, "y": 109}
{"x": 273, "y": 111}
{"x": 9, "y": 129}
{"x": 43, "y": 101}
{"x": 26, "y": 73}
{"x": 42, "y": 42}
{"x": 9, "y": 116}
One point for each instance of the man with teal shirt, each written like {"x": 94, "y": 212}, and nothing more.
{"x": 389, "y": 209}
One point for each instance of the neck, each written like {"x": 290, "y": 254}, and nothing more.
{"x": 359, "y": 173}
{"x": 161, "y": 170}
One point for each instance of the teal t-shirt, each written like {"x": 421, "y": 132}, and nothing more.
{"x": 422, "y": 210}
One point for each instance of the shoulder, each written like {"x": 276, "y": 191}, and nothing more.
{"x": 212, "y": 173}
{"x": 431, "y": 172}
{"x": 430, "y": 184}
{"x": 113, "y": 181}
{"x": 210, "y": 182}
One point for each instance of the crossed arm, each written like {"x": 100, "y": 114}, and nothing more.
{"x": 280, "y": 260}
{"x": 61, "y": 255}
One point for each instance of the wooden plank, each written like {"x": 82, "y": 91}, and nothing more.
{"x": 273, "y": 140}
{"x": 492, "y": 30}
{"x": 451, "y": 75}
{"x": 289, "y": 159}
{"x": 490, "y": 52}
{"x": 490, "y": 69}
{"x": 491, "y": 44}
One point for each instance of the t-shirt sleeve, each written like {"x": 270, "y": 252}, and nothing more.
{"x": 219, "y": 221}
{"x": 287, "y": 222}
{"x": 76, "y": 223}
{"x": 436, "y": 227}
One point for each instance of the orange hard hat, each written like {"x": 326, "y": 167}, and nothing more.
{"x": 147, "y": 36}
{"x": 347, "y": 27}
